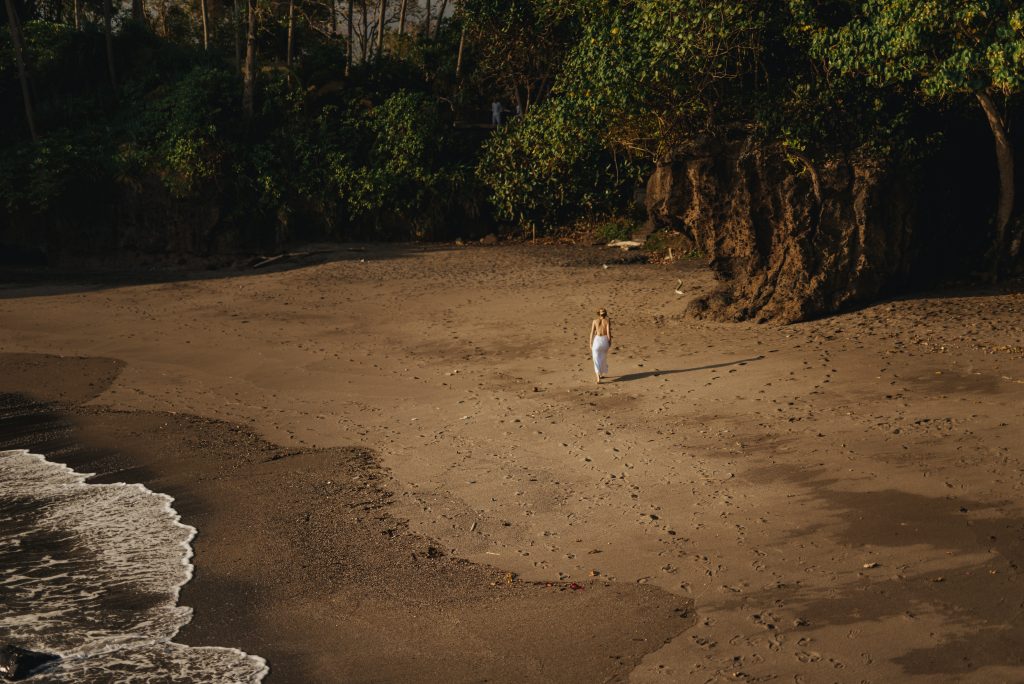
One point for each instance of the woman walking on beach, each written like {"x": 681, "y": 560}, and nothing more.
{"x": 600, "y": 343}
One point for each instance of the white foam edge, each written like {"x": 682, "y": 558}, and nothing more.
{"x": 186, "y": 560}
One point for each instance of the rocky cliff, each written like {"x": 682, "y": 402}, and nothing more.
{"x": 789, "y": 240}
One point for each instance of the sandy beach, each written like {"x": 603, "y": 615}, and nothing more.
{"x": 401, "y": 470}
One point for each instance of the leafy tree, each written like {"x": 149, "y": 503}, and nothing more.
{"x": 552, "y": 166}
{"x": 641, "y": 78}
{"x": 520, "y": 43}
{"x": 658, "y": 72}
{"x": 944, "y": 49}
{"x": 402, "y": 174}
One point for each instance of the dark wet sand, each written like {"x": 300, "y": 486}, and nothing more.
{"x": 298, "y": 558}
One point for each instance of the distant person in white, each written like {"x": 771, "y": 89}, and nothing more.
{"x": 600, "y": 343}
{"x": 496, "y": 110}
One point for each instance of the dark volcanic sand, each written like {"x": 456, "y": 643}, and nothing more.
{"x": 299, "y": 560}
{"x": 840, "y": 499}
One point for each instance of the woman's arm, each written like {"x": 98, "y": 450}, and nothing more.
{"x": 609, "y": 334}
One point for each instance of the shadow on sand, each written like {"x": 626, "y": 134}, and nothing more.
{"x": 964, "y": 573}
{"x": 22, "y": 282}
{"x": 656, "y": 373}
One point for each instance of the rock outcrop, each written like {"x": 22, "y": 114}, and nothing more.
{"x": 788, "y": 240}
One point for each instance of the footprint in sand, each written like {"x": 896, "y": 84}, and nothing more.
{"x": 808, "y": 656}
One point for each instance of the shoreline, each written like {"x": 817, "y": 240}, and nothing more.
{"x": 298, "y": 560}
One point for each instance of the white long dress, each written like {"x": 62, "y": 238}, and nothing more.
{"x": 599, "y": 350}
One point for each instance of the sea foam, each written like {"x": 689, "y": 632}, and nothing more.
{"x": 92, "y": 573}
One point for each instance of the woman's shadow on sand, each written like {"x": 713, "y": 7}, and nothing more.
{"x": 655, "y": 373}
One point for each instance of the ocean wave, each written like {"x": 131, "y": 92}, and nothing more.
{"x": 92, "y": 573}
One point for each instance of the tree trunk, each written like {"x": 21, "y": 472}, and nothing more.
{"x": 401, "y": 18}
{"x": 249, "y": 72}
{"x": 349, "y": 37}
{"x": 19, "y": 57}
{"x": 291, "y": 34}
{"x": 380, "y": 28}
{"x": 110, "y": 43}
{"x": 426, "y": 26}
{"x": 348, "y": 43}
{"x": 1004, "y": 160}
{"x": 458, "y": 60}
{"x": 364, "y": 40}
{"x": 78, "y": 17}
{"x": 238, "y": 40}
{"x": 138, "y": 10}
{"x": 206, "y": 31}
{"x": 334, "y": 17}
{"x": 440, "y": 17}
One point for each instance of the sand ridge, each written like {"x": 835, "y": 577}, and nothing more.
{"x": 839, "y": 498}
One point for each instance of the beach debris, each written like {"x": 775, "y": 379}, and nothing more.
{"x": 473, "y": 526}
{"x": 625, "y": 245}
{"x": 868, "y": 566}
{"x": 19, "y": 663}
{"x": 262, "y": 262}
{"x": 679, "y": 287}
{"x": 267, "y": 261}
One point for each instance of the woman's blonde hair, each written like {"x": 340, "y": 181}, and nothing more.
{"x": 603, "y": 313}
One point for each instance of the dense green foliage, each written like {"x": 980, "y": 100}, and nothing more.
{"x": 401, "y": 176}
{"x": 945, "y": 46}
{"x": 374, "y": 156}
{"x": 349, "y": 138}
{"x": 941, "y": 49}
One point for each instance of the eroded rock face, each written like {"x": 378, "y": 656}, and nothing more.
{"x": 789, "y": 241}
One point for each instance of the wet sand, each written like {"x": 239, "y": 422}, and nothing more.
{"x": 839, "y": 500}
